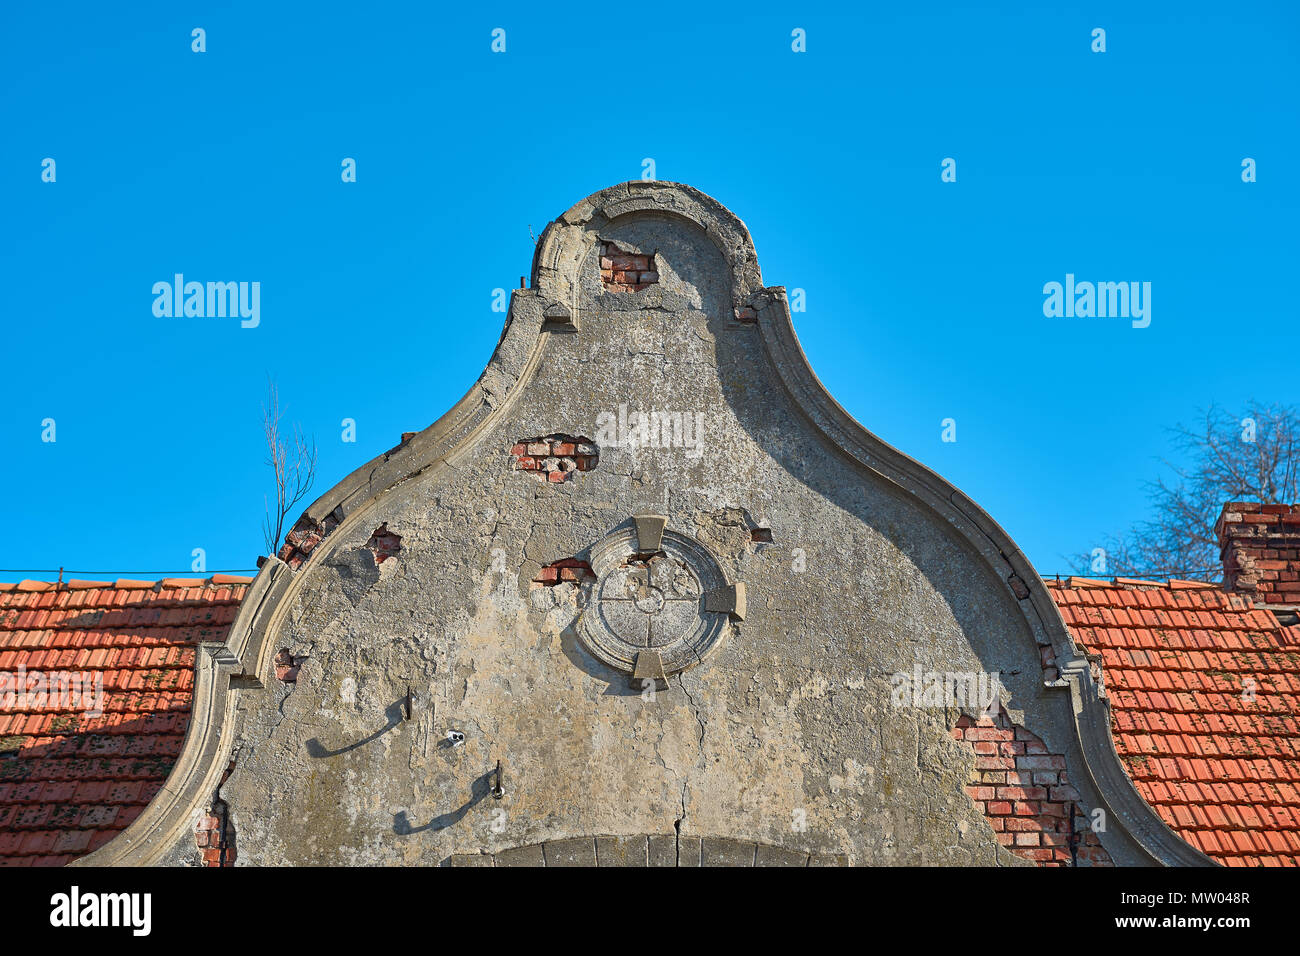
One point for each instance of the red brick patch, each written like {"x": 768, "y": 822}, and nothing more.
{"x": 305, "y": 535}
{"x": 287, "y": 666}
{"x": 625, "y": 271}
{"x": 1014, "y": 789}
{"x": 566, "y": 570}
{"x": 555, "y": 458}
{"x": 215, "y": 836}
{"x": 384, "y": 543}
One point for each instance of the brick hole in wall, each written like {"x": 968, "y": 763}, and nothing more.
{"x": 287, "y": 666}
{"x": 1047, "y": 656}
{"x": 215, "y": 836}
{"x": 555, "y": 458}
{"x": 1025, "y": 793}
{"x": 565, "y": 571}
{"x": 384, "y": 544}
{"x": 626, "y": 271}
{"x": 305, "y": 535}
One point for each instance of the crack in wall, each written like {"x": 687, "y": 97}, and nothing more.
{"x": 677, "y": 827}
{"x": 681, "y": 682}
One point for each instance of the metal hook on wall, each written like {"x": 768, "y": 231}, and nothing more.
{"x": 498, "y": 783}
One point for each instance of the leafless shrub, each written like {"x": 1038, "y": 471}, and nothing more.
{"x": 293, "y": 461}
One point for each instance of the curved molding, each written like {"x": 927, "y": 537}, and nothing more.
{"x": 567, "y": 240}
{"x": 206, "y": 752}
{"x": 194, "y": 778}
{"x": 247, "y": 652}
{"x": 555, "y": 275}
{"x": 1092, "y": 725}
{"x": 1091, "y": 709}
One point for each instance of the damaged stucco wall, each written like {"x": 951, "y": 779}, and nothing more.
{"x": 788, "y": 734}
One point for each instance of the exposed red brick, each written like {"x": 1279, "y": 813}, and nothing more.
{"x": 625, "y": 271}
{"x": 569, "y": 570}
{"x": 287, "y": 666}
{"x": 305, "y": 535}
{"x": 384, "y": 544}
{"x": 1259, "y": 545}
{"x": 215, "y": 838}
{"x": 554, "y": 458}
{"x": 1027, "y": 818}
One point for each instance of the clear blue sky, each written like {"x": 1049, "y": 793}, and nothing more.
{"x": 924, "y": 298}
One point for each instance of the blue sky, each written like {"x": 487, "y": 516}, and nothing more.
{"x": 924, "y": 298}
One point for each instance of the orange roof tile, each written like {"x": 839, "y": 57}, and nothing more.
{"x": 73, "y": 774}
{"x": 1205, "y": 709}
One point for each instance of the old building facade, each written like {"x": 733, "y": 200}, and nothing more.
{"x": 647, "y": 594}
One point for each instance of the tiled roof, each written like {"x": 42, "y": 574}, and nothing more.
{"x": 1220, "y": 763}
{"x": 1205, "y": 693}
{"x": 69, "y": 781}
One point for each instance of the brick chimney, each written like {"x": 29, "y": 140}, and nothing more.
{"x": 1260, "y": 548}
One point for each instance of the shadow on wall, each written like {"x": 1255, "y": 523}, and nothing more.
{"x": 770, "y": 418}
{"x": 616, "y": 682}
{"x": 941, "y": 560}
{"x": 395, "y": 712}
{"x": 479, "y": 788}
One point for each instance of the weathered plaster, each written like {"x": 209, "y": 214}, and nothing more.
{"x": 784, "y": 737}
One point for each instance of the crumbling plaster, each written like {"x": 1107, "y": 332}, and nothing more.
{"x": 785, "y": 735}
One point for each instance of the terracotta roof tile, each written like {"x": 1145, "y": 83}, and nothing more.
{"x": 1204, "y": 692}
{"x": 1218, "y": 758}
{"x": 71, "y": 778}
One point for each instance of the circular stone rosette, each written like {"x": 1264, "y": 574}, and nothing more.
{"x": 652, "y": 602}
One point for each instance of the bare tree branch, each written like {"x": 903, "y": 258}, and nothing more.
{"x": 1229, "y": 459}
{"x": 293, "y": 463}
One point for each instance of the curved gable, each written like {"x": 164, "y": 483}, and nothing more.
{"x": 650, "y": 569}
